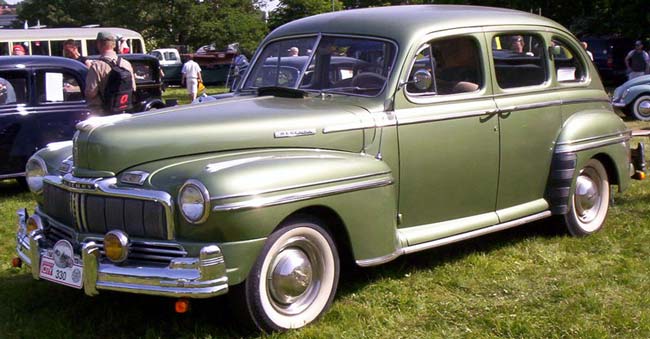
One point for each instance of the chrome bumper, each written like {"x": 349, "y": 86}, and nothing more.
{"x": 201, "y": 277}
{"x": 619, "y": 104}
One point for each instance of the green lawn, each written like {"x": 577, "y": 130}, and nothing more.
{"x": 529, "y": 282}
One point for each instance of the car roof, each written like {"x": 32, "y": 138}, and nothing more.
{"x": 403, "y": 23}
{"x": 10, "y": 62}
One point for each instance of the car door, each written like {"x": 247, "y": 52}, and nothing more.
{"x": 448, "y": 140}
{"x": 530, "y": 117}
{"x": 14, "y": 102}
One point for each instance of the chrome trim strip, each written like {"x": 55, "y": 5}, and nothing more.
{"x": 286, "y": 188}
{"x": 294, "y": 133}
{"x": 536, "y": 105}
{"x": 627, "y": 133}
{"x": 106, "y": 187}
{"x": 448, "y": 116}
{"x": 13, "y": 175}
{"x": 476, "y": 233}
{"x": 590, "y": 145}
{"x": 257, "y": 202}
{"x": 585, "y": 100}
{"x": 380, "y": 260}
{"x": 380, "y": 119}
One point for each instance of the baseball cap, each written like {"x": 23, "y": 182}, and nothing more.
{"x": 18, "y": 48}
{"x": 105, "y": 36}
{"x": 638, "y": 43}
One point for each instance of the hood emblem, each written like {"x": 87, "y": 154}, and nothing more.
{"x": 294, "y": 133}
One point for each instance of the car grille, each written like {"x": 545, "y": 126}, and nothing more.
{"x": 87, "y": 212}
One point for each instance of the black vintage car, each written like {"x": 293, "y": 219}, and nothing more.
{"x": 41, "y": 101}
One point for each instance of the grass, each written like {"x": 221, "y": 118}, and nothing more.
{"x": 534, "y": 281}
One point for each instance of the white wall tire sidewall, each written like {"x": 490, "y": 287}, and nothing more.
{"x": 596, "y": 224}
{"x": 635, "y": 108}
{"x": 327, "y": 280}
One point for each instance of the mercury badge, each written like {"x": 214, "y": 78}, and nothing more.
{"x": 294, "y": 133}
{"x": 63, "y": 254}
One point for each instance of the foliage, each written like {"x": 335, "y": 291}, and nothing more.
{"x": 162, "y": 23}
{"x": 289, "y": 10}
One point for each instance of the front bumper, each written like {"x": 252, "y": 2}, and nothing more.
{"x": 201, "y": 277}
{"x": 619, "y": 103}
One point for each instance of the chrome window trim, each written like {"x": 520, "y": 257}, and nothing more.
{"x": 106, "y": 187}
{"x": 286, "y": 188}
{"x": 441, "y": 117}
{"x": 258, "y": 202}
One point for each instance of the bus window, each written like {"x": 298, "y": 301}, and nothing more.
{"x": 40, "y": 48}
{"x": 25, "y": 46}
{"x": 4, "y": 48}
{"x": 57, "y": 47}
{"x": 91, "y": 46}
{"x": 136, "y": 46}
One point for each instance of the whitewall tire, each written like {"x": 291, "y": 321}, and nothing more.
{"x": 589, "y": 203}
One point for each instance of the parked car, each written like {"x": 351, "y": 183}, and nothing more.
{"x": 41, "y": 100}
{"x": 450, "y": 122}
{"x": 170, "y": 63}
{"x": 609, "y": 56}
{"x": 633, "y": 98}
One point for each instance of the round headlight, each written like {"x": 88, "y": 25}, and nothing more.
{"x": 35, "y": 170}
{"x": 116, "y": 246}
{"x": 194, "y": 201}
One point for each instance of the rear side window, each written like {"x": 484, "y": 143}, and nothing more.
{"x": 13, "y": 87}
{"x": 569, "y": 67}
{"x": 40, "y": 48}
{"x": 4, "y": 48}
{"x": 454, "y": 65}
{"x": 519, "y": 60}
{"x": 53, "y": 86}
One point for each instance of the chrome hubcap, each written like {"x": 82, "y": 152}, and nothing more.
{"x": 291, "y": 276}
{"x": 644, "y": 107}
{"x": 293, "y": 279}
{"x": 587, "y": 198}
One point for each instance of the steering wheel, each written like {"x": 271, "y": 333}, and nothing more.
{"x": 368, "y": 80}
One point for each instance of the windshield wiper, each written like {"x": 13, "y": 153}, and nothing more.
{"x": 282, "y": 92}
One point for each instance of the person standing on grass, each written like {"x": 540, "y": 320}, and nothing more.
{"x": 191, "y": 77}
{"x": 637, "y": 61}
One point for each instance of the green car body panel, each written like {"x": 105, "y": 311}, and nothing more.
{"x": 391, "y": 173}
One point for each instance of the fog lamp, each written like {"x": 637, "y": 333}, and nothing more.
{"x": 33, "y": 224}
{"x": 116, "y": 246}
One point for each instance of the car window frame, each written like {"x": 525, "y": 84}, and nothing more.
{"x": 39, "y": 73}
{"x": 29, "y": 96}
{"x": 582, "y": 58}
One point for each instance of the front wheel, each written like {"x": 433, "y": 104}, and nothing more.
{"x": 589, "y": 203}
{"x": 294, "y": 279}
{"x": 641, "y": 108}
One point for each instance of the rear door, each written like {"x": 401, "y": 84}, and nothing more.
{"x": 15, "y": 100}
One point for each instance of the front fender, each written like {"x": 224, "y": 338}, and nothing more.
{"x": 636, "y": 91}
{"x": 252, "y": 192}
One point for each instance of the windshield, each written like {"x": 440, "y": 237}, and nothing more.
{"x": 347, "y": 65}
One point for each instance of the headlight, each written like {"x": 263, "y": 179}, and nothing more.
{"x": 194, "y": 201}
{"x": 35, "y": 170}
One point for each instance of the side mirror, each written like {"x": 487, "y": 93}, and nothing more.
{"x": 422, "y": 79}
{"x": 555, "y": 50}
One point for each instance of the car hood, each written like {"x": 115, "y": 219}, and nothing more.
{"x": 111, "y": 144}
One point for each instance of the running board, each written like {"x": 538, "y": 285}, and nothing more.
{"x": 452, "y": 239}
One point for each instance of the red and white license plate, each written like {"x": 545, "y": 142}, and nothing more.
{"x": 60, "y": 267}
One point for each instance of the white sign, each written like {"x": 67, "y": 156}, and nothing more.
{"x": 53, "y": 87}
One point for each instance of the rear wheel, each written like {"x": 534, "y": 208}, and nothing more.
{"x": 589, "y": 203}
{"x": 294, "y": 279}
{"x": 641, "y": 108}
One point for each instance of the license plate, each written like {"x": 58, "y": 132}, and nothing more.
{"x": 59, "y": 265}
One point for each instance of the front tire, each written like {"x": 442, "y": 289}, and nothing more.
{"x": 294, "y": 280}
{"x": 589, "y": 203}
{"x": 641, "y": 108}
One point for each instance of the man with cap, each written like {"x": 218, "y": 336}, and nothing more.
{"x": 293, "y": 51}
{"x": 637, "y": 61}
{"x": 18, "y": 50}
{"x": 98, "y": 72}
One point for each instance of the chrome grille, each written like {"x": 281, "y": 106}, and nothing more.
{"x": 87, "y": 212}
{"x": 149, "y": 251}
{"x": 54, "y": 233}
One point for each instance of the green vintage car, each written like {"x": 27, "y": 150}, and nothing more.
{"x": 358, "y": 135}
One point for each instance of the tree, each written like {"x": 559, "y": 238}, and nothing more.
{"x": 289, "y": 10}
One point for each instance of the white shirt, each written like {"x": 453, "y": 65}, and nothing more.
{"x": 191, "y": 69}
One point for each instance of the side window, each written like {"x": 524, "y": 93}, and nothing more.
{"x": 40, "y": 48}
{"x": 52, "y": 86}
{"x": 91, "y": 46}
{"x": 170, "y": 56}
{"x": 519, "y": 60}
{"x": 4, "y": 48}
{"x": 568, "y": 65}
{"x": 13, "y": 87}
{"x": 158, "y": 55}
{"x": 136, "y": 46}
{"x": 453, "y": 64}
